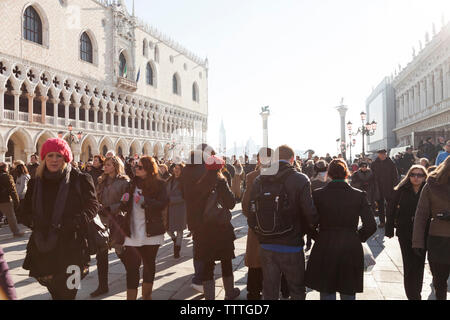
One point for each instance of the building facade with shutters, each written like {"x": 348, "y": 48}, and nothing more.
{"x": 422, "y": 92}
{"x": 91, "y": 66}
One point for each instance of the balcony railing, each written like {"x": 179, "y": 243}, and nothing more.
{"x": 23, "y": 116}
{"x": 8, "y": 114}
{"x": 126, "y": 84}
{"x": 37, "y": 118}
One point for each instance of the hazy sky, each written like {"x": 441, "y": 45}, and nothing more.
{"x": 300, "y": 57}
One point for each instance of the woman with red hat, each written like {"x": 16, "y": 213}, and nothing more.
{"x": 58, "y": 211}
{"x": 214, "y": 241}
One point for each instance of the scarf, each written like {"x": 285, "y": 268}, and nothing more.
{"x": 47, "y": 243}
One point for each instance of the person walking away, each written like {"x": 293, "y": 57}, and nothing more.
{"x": 434, "y": 204}
{"x": 252, "y": 258}
{"x": 444, "y": 154}
{"x": 336, "y": 263}
{"x": 176, "y": 210}
{"x": 400, "y": 216}
{"x": 33, "y": 165}
{"x": 236, "y": 181}
{"x": 215, "y": 239}
{"x": 112, "y": 185}
{"x": 9, "y": 199}
{"x": 194, "y": 170}
{"x": 285, "y": 193}
{"x": 57, "y": 207}
{"x": 147, "y": 198}
{"x": 320, "y": 179}
{"x": 7, "y": 289}
{"x": 408, "y": 159}
{"x": 22, "y": 181}
{"x": 386, "y": 177}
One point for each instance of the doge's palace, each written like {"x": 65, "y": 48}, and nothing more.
{"x": 91, "y": 66}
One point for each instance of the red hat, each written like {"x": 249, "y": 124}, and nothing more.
{"x": 57, "y": 145}
{"x": 214, "y": 163}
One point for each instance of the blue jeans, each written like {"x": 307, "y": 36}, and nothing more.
{"x": 332, "y": 296}
{"x": 291, "y": 265}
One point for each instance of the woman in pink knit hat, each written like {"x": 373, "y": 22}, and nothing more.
{"x": 57, "y": 207}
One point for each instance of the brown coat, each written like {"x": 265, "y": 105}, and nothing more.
{"x": 236, "y": 183}
{"x": 252, "y": 259}
{"x": 434, "y": 199}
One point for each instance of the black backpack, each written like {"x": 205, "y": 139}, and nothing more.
{"x": 270, "y": 212}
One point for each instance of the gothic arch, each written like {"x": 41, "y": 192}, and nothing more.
{"x": 44, "y": 20}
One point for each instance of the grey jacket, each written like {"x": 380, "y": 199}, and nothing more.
{"x": 110, "y": 191}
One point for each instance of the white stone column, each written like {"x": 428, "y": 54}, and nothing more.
{"x": 2, "y": 104}
{"x": 96, "y": 109}
{"x": 30, "y": 97}
{"x": 43, "y": 108}
{"x": 66, "y": 112}
{"x": 445, "y": 82}
{"x": 16, "y": 94}
{"x": 112, "y": 119}
{"x": 55, "y": 111}
{"x": 411, "y": 101}
{"x": 86, "y": 116}
{"x": 77, "y": 106}
{"x": 423, "y": 94}
{"x": 416, "y": 98}
{"x": 133, "y": 118}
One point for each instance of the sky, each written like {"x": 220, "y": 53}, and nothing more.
{"x": 300, "y": 57}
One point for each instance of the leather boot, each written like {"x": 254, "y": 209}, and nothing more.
{"x": 147, "y": 289}
{"x": 231, "y": 292}
{"x": 176, "y": 251}
{"x": 132, "y": 294}
{"x": 209, "y": 289}
{"x": 102, "y": 272}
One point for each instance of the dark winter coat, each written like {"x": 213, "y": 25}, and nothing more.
{"x": 214, "y": 242}
{"x": 8, "y": 189}
{"x": 304, "y": 215}
{"x": 154, "y": 205}
{"x": 386, "y": 176}
{"x": 95, "y": 174}
{"x": 32, "y": 169}
{"x": 7, "y": 290}
{"x": 177, "y": 208}
{"x": 336, "y": 263}
{"x": 190, "y": 175}
{"x": 71, "y": 248}
{"x": 365, "y": 181}
{"x": 401, "y": 211}
{"x": 434, "y": 199}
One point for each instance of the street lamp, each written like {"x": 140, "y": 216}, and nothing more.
{"x": 368, "y": 129}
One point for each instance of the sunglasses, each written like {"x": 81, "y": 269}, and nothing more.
{"x": 417, "y": 175}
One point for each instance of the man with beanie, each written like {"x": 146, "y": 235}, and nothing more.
{"x": 252, "y": 259}
{"x": 9, "y": 199}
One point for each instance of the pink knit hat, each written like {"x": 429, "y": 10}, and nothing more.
{"x": 214, "y": 163}
{"x": 57, "y": 145}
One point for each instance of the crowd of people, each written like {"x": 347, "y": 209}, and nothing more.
{"x": 136, "y": 200}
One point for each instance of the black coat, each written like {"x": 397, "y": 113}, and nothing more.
{"x": 336, "y": 263}
{"x": 401, "y": 211}
{"x": 386, "y": 176}
{"x": 71, "y": 248}
{"x": 213, "y": 242}
{"x": 190, "y": 175}
{"x": 154, "y": 205}
{"x": 365, "y": 181}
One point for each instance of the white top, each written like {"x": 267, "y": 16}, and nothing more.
{"x": 138, "y": 231}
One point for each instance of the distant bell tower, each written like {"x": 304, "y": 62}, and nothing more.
{"x": 222, "y": 139}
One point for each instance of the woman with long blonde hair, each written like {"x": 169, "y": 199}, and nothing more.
{"x": 434, "y": 209}
{"x": 112, "y": 184}
{"x": 400, "y": 216}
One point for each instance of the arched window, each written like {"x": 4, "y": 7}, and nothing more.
{"x": 149, "y": 74}
{"x": 32, "y": 25}
{"x": 86, "y": 51}
{"x": 156, "y": 54}
{"x": 104, "y": 150}
{"x": 195, "y": 92}
{"x": 175, "y": 85}
{"x": 122, "y": 66}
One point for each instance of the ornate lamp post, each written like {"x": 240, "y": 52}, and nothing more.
{"x": 367, "y": 129}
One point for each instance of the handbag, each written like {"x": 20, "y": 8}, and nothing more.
{"x": 214, "y": 213}
{"x": 98, "y": 235}
{"x": 369, "y": 259}
{"x": 118, "y": 224}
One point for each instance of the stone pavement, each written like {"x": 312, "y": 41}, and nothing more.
{"x": 173, "y": 276}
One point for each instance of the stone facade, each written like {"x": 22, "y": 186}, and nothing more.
{"x": 423, "y": 92}
{"x": 45, "y": 87}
